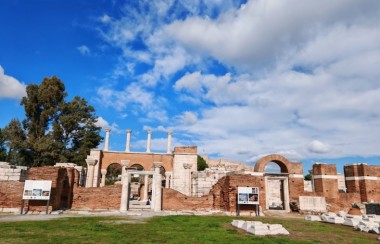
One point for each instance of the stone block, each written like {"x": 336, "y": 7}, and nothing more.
{"x": 238, "y": 223}
{"x": 313, "y": 218}
{"x": 3, "y": 177}
{"x": 351, "y": 222}
{"x": 259, "y": 229}
{"x": 277, "y": 229}
{"x": 335, "y": 220}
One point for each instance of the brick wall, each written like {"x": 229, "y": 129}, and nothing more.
{"x": 144, "y": 159}
{"x": 174, "y": 200}
{"x": 106, "y": 198}
{"x": 186, "y": 150}
{"x": 10, "y": 194}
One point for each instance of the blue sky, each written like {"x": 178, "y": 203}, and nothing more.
{"x": 238, "y": 79}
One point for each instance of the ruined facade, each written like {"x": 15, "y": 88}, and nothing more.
{"x": 170, "y": 181}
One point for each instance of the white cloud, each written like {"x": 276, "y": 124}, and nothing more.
{"x": 84, "y": 50}
{"x": 318, "y": 147}
{"x": 295, "y": 71}
{"x": 101, "y": 122}
{"x": 10, "y": 87}
{"x": 260, "y": 32}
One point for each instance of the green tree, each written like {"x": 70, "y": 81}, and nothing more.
{"x": 55, "y": 130}
{"x": 308, "y": 177}
{"x": 3, "y": 150}
{"x": 201, "y": 163}
{"x": 17, "y": 144}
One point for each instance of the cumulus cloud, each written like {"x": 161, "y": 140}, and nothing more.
{"x": 294, "y": 71}
{"x": 101, "y": 122}
{"x": 84, "y": 50}
{"x": 10, "y": 87}
{"x": 318, "y": 147}
{"x": 260, "y": 32}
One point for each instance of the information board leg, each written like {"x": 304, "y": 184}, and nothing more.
{"x": 22, "y": 207}
{"x": 47, "y": 206}
{"x": 238, "y": 210}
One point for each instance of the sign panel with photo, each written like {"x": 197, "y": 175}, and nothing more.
{"x": 248, "y": 195}
{"x": 37, "y": 190}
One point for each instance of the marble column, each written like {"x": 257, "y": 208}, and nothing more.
{"x": 125, "y": 186}
{"x": 106, "y": 142}
{"x": 167, "y": 179}
{"x": 104, "y": 173}
{"x": 169, "y": 149}
{"x": 157, "y": 186}
{"x": 128, "y": 143}
{"x": 90, "y": 171}
{"x": 146, "y": 184}
{"x": 148, "y": 141}
{"x": 187, "y": 179}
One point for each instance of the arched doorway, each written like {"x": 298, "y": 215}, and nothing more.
{"x": 113, "y": 175}
{"x": 275, "y": 169}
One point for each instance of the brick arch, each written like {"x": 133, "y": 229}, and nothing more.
{"x": 281, "y": 161}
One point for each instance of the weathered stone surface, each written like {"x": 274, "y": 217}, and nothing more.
{"x": 259, "y": 228}
{"x": 313, "y": 218}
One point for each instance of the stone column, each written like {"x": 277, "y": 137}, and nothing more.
{"x": 148, "y": 141}
{"x": 167, "y": 179}
{"x": 128, "y": 143}
{"x": 104, "y": 173}
{"x": 157, "y": 186}
{"x": 90, "y": 171}
{"x": 106, "y": 142}
{"x": 125, "y": 186}
{"x": 187, "y": 178}
{"x": 146, "y": 184}
{"x": 169, "y": 150}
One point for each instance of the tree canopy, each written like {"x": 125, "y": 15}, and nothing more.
{"x": 54, "y": 130}
{"x": 201, "y": 163}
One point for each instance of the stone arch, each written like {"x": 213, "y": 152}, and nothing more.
{"x": 281, "y": 161}
{"x": 138, "y": 167}
{"x": 114, "y": 170}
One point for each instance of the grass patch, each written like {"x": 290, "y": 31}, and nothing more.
{"x": 172, "y": 229}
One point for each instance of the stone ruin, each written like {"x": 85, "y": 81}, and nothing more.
{"x": 259, "y": 229}
{"x": 171, "y": 180}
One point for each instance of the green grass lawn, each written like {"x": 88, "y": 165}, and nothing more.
{"x": 172, "y": 229}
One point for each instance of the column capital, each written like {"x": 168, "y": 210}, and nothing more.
{"x": 103, "y": 171}
{"x": 170, "y": 132}
{"x": 149, "y": 131}
{"x": 187, "y": 165}
{"x": 107, "y": 129}
{"x": 157, "y": 164}
{"x": 128, "y": 131}
{"x": 91, "y": 161}
{"x": 125, "y": 163}
{"x": 168, "y": 174}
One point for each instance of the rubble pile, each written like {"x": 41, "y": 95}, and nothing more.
{"x": 367, "y": 223}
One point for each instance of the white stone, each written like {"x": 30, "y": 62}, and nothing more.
{"x": 313, "y": 218}
{"x": 351, "y": 222}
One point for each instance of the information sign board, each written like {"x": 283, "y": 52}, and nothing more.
{"x": 37, "y": 190}
{"x": 248, "y": 195}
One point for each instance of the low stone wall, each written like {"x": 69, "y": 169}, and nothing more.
{"x": 174, "y": 200}
{"x": 105, "y": 198}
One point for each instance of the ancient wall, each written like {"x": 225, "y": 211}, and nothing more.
{"x": 363, "y": 179}
{"x": 174, "y": 200}
{"x": 105, "y": 198}
{"x": 144, "y": 159}
{"x": 181, "y": 176}
{"x": 202, "y": 181}
{"x": 10, "y": 195}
